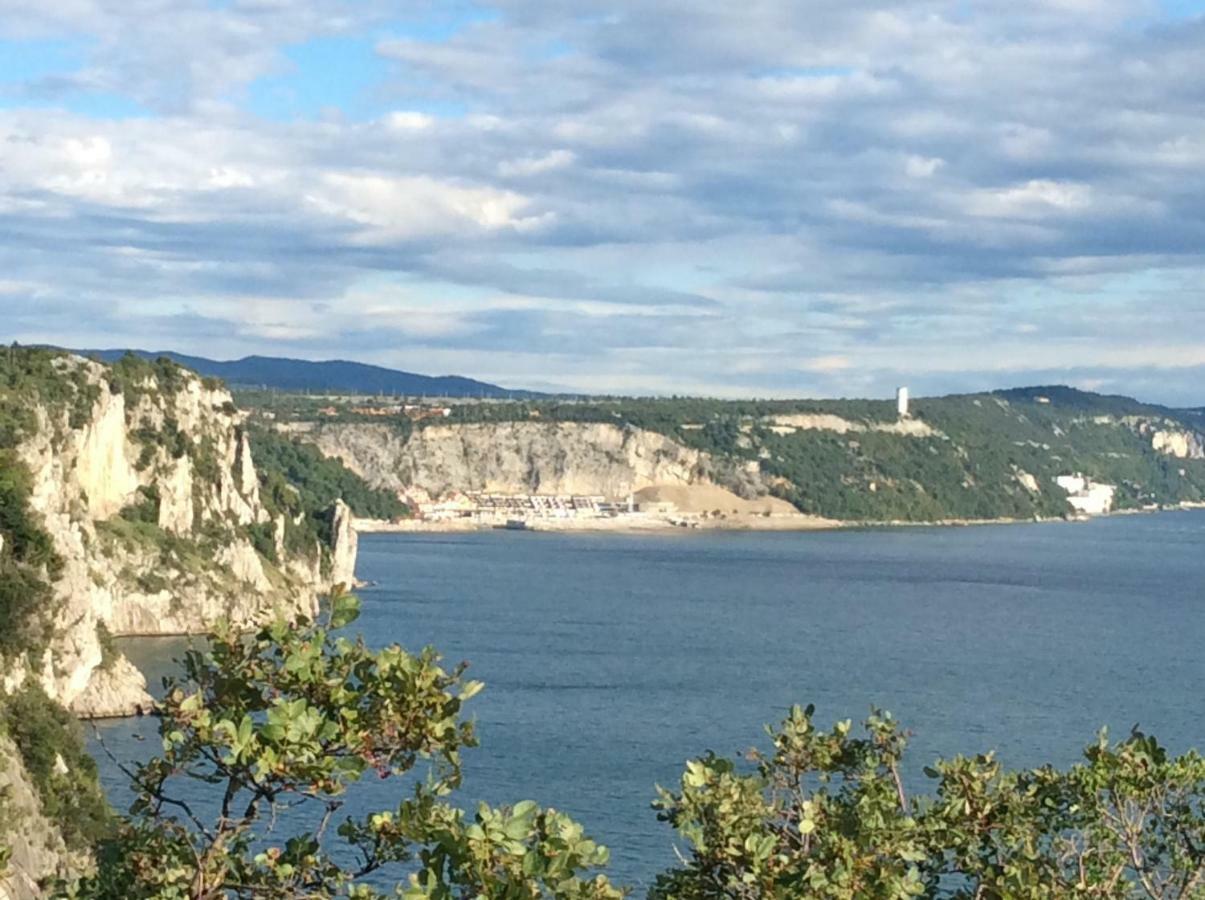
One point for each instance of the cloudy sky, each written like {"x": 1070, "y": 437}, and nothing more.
{"x": 770, "y": 197}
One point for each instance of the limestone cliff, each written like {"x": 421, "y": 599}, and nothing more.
{"x": 36, "y": 846}
{"x": 524, "y": 457}
{"x": 1179, "y": 443}
{"x": 145, "y": 481}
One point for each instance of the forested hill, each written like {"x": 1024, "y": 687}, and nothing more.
{"x": 335, "y": 376}
{"x": 976, "y": 456}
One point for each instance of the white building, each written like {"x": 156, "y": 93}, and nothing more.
{"x": 1072, "y": 484}
{"x": 901, "y": 402}
{"x": 1087, "y": 496}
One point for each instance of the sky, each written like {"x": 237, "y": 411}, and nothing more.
{"x": 765, "y": 198}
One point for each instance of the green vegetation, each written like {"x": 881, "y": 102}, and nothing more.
{"x": 135, "y": 378}
{"x": 28, "y": 562}
{"x": 190, "y": 560}
{"x": 146, "y": 508}
{"x": 44, "y": 734}
{"x": 301, "y": 486}
{"x": 52, "y": 749}
{"x": 288, "y": 721}
{"x": 318, "y": 481}
{"x": 977, "y": 463}
{"x": 825, "y": 815}
{"x": 31, "y": 378}
{"x": 109, "y": 654}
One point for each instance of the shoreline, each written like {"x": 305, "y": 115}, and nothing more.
{"x": 643, "y": 523}
{"x": 632, "y": 523}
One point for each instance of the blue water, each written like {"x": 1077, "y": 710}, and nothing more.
{"x": 609, "y": 660}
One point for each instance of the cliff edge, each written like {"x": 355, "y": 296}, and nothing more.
{"x": 143, "y": 477}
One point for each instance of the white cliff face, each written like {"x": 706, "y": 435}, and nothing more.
{"x": 103, "y": 473}
{"x": 183, "y": 448}
{"x": 1167, "y": 436}
{"x": 346, "y": 547}
{"x": 523, "y": 457}
{"x": 110, "y": 690}
{"x": 789, "y": 424}
{"x": 1180, "y": 444}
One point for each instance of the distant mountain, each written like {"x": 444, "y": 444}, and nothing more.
{"x": 335, "y": 376}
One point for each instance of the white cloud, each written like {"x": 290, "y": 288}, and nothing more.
{"x": 922, "y": 166}
{"x": 393, "y": 208}
{"x": 536, "y": 165}
{"x": 835, "y": 190}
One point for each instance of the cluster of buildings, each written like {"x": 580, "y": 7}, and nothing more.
{"x": 484, "y": 507}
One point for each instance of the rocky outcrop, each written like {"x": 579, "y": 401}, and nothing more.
{"x": 1166, "y": 435}
{"x": 151, "y": 500}
{"x": 346, "y": 545}
{"x": 789, "y": 424}
{"x": 36, "y": 844}
{"x": 111, "y": 690}
{"x": 525, "y": 458}
{"x": 1178, "y": 443}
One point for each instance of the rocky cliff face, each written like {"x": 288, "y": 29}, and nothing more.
{"x": 524, "y": 457}
{"x": 1179, "y": 443}
{"x": 36, "y": 846}
{"x": 151, "y": 496}
{"x": 137, "y": 485}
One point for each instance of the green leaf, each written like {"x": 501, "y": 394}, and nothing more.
{"x": 345, "y": 609}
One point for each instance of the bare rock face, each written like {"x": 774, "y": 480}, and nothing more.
{"x": 37, "y": 845}
{"x": 525, "y": 458}
{"x": 1178, "y": 443}
{"x": 177, "y": 455}
{"x": 113, "y": 691}
{"x": 346, "y": 546}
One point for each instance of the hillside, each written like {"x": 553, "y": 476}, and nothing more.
{"x": 335, "y": 376}
{"x": 132, "y": 502}
{"x": 981, "y": 456}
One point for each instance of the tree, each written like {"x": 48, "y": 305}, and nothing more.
{"x": 285, "y": 722}
{"x": 825, "y": 815}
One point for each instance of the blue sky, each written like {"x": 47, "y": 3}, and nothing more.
{"x": 775, "y": 198}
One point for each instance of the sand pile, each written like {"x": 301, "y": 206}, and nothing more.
{"x": 707, "y": 498}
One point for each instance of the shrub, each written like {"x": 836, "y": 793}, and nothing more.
{"x": 28, "y": 561}
{"x": 291, "y": 718}
{"x": 287, "y": 721}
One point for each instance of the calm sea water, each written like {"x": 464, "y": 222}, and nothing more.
{"x": 609, "y": 660}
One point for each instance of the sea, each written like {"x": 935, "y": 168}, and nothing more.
{"x": 609, "y": 660}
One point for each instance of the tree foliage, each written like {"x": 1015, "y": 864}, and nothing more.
{"x": 281, "y": 726}
{"x": 51, "y": 746}
{"x": 318, "y": 481}
{"x": 825, "y": 815}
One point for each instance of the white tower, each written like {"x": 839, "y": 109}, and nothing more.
{"x": 901, "y": 402}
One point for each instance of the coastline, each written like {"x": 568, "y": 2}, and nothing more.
{"x": 632, "y": 523}
{"x": 643, "y": 523}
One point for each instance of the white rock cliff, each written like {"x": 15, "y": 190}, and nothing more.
{"x": 184, "y": 446}
{"x": 524, "y": 457}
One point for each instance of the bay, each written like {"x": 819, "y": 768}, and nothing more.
{"x": 611, "y": 659}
